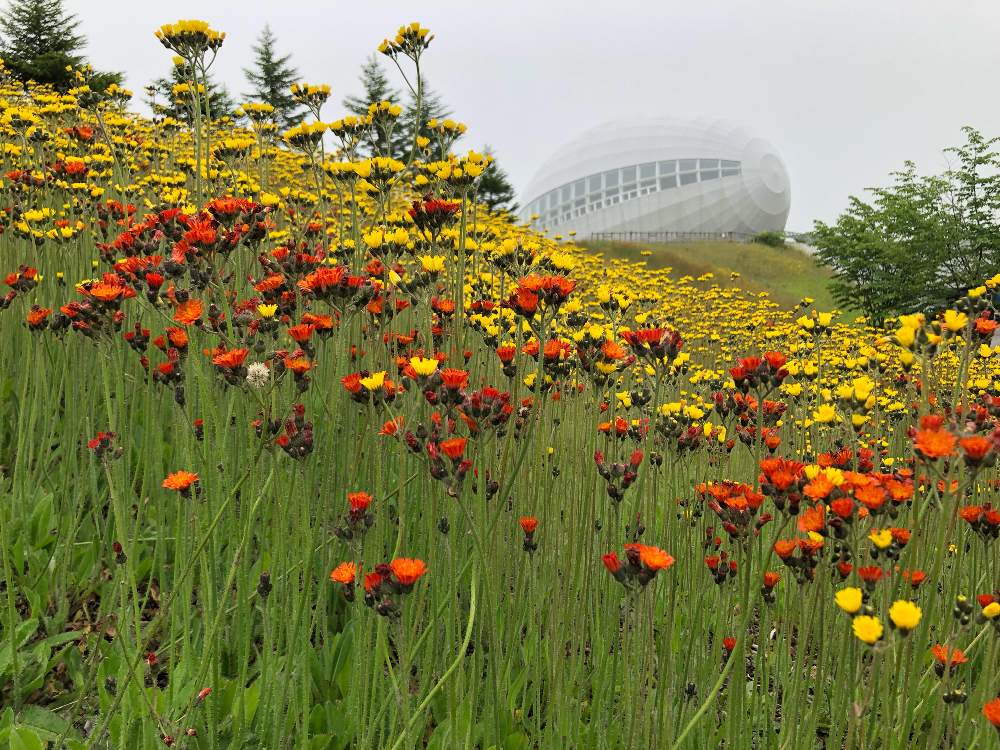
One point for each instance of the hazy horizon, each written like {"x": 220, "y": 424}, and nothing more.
{"x": 842, "y": 90}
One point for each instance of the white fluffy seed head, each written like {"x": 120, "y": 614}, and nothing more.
{"x": 258, "y": 374}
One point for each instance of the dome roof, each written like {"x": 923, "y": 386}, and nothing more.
{"x": 764, "y": 195}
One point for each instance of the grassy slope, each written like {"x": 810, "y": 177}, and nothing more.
{"x": 787, "y": 273}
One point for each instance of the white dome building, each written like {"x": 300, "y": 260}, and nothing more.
{"x": 665, "y": 176}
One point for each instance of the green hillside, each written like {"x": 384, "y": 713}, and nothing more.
{"x": 787, "y": 273}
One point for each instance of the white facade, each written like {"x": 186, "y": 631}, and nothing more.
{"x": 661, "y": 175}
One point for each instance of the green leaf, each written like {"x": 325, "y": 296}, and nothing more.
{"x": 23, "y": 738}
{"x": 48, "y": 724}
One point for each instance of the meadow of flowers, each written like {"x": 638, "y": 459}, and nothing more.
{"x": 305, "y": 449}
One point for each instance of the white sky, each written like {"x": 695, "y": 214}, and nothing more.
{"x": 845, "y": 89}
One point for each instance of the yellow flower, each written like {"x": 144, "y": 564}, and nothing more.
{"x": 881, "y": 538}
{"x": 905, "y": 615}
{"x": 267, "y": 311}
{"x": 423, "y": 366}
{"x": 955, "y": 321}
{"x": 825, "y": 413}
{"x": 374, "y": 381}
{"x": 991, "y": 611}
{"x": 905, "y": 336}
{"x": 867, "y": 629}
{"x": 849, "y": 599}
{"x": 432, "y": 263}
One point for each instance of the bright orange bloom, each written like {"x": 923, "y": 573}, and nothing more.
{"x": 940, "y": 653}
{"x": 611, "y": 562}
{"x": 812, "y": 519}
{"x": 37, "y": 316}
{"x": 992, "y": 712}
{"x": 784, "y": 548}
{"x": 528, "y": 524}
{"x": 654, "y": 558}
{"x": 359, "y": 501}
{"x": 180, "y": 480}
{"x": 976, "y": 447}
{"x": 297, "y": 365}
{"x": 771, "y": 579}
{"x": 230, "y": 360}
{"x": 188, "y": 312}
{"x": 453, "y": 448}
{"x": 407, "y": 570}
{"x": 935, "y": 443}
{"x": 344, "y": 573}
{"x": 454, "y": 379}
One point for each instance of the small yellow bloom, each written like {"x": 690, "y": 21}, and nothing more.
{"x": 991, "y": 611}
{"x": 849, "y": 599}
{"x": 374, "y": 381}
{"x": 905, "y": 615}
{"x": 955, "y": 321}
{"x": 881, "y": 538}
{"x": 423, "y": 366}
{"x": 867, "y": 629}
{"x": 267, "y": 311}
{"x": 825, "y": 413}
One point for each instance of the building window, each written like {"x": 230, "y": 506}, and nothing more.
{"x": 647, "y": 170}
{"x": 688, "y": 177}
{"x": 709, "y": 174}
{"x": 579, "y": 189}
{"x": 708, "y": 164}
{"x": 668, "y": 167}
{"x": 611, "y": 178}
{"x": 670, "y": 181}
{"x": 688, "y": 165}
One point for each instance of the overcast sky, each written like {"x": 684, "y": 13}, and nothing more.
{"x": 845, "y": 89}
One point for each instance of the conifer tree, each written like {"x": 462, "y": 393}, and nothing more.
{"x": 180, "y": 108}
{"x": 495, "y": 188}
{"x": 40, "y": 40}
{"x": 271, "y": 78}
{"x": 377, "y": 88}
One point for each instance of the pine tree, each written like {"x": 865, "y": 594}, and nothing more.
{"x": 432, "y": 108}
{"x": 39, "y": 40}
{"x": 271, "y": 79}
{"x": 377, "y": 88}
{"x": 495, "y": 189}
{"x": 169, "y": 105}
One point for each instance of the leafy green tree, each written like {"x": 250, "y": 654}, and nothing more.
{"x": 495, "y": 188}
{"x": 271, "y": 78}
{"x": 377, "y": 88}
{"x": 40, "y": 41}
{"x": 163, "y": 102}
{"x": 920, "y": 242}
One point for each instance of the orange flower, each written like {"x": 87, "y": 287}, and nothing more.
{"x": 935, "y": 443}
{"x": 454, "y": 379}
{"x": 611, "y": 562}
{"x": 654, "y": 558}
{"x": 940, "y": 653}
{"x": 188, "y": 312}
{"x": 180, "y": 480}
{"x": 784, "y": 548}
{"x": 407, "y": 570}
{"x": 975, "y": 448}
{"x": 297, "y": 365}
{"x": 344, "y": 573}
{"x": 528, "y": 524}
{"x": 37, "y": 316}
{"x": 812, "y": 519}
{"x": 453, "y": 448}
{"x": 230, "y": 360}
{"x": 992, "y": 712}
{"x": 771, "y": 579}
{"x": 359, "y": 501}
